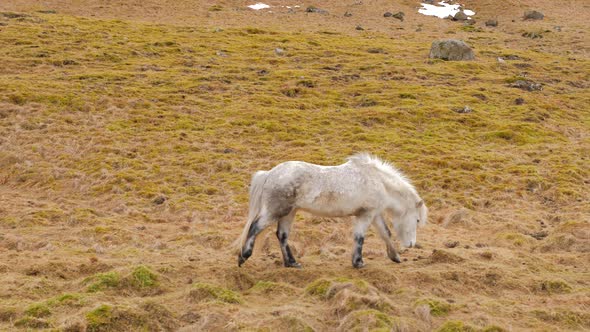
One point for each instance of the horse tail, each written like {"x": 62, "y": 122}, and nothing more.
{"x": 256, "y": 186}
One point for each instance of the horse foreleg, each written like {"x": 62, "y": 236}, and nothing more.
{"x": 360, "y": 228}
{"x": 256, "y": 227}
{"x": 385, "y": 234}
{"x": 283, "y": 230}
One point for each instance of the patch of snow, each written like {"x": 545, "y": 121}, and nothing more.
{"x": 259, "y": 6}
{"x": 443, "y": 11}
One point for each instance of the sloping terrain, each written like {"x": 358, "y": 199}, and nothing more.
{"x": 127, "y": 142}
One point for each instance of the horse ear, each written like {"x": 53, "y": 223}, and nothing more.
{"x": 419, "y": 204}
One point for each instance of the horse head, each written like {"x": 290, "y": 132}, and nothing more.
{"x": 406, "y": 226}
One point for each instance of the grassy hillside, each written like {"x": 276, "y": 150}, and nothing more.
{"x": 126, "y": 150}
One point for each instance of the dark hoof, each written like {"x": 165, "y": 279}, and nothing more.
{"x": 394, "y": 256}
{"x": 241, "y": 260}
{"x": 293, "y": 265}
{"x": 358, "y": 264}
{"x": 396, "y": 259}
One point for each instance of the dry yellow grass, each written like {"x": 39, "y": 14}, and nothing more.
{"x": 126, "y": 148}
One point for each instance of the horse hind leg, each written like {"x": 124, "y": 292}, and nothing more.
{"x": 385, "y": 234}
{"x": 283, "y": 230}
{"x": 256, "y": 227}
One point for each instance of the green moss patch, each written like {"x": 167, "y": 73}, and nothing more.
{"x": 103, "y": 281}
{"x": 203, "y": 292}
{"x": 455, "y": 326}
{"x": 437, "y": 308}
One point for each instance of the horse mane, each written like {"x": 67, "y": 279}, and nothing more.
{"x": 395, "y": 180}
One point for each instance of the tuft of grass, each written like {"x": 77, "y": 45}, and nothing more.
{"x": 318, "y": 287}
{"x": 32, "y": 323}
{"x": 7, "y": 314}
{"x": 102, "y": 281}
{"x": 370, "y": 319}
{"x": 99, "y": 317}
{"x": 269, "y": 287}
{"x": 455, "y": 326}
{"x": 443, "y": 256}
{"x": 437, "y": 308}
{"x": 556, "y": 286}
{"x": 321, "y": 287}
{"x": 38, "y": 310}
{"x": 142, "y": 277}
{"x": 569, "y": 318}
{"x": 203, "y": 291}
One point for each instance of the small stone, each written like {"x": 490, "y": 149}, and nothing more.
{"x": 519, "y": 101}
{"x": 533, "y": 35}
{"x": 388, "y": 14}
{"x": 500, "y": 60}
{"x": 159, "y": 200}
{"x": 451, "y": 244}
{"x": 491, "y": 23}
{"x": 279, "y": 51}
{"x": 347, "y": 14}
{"x": 360, "y": 28}
{"x": 557, "y": 28}
{"x": 312, "y": 9}
{"x": 221, "y": 53}
{"x": 533, "y": 15}
{"x": 539, "y": 235}
{"x": 464, "y": 110}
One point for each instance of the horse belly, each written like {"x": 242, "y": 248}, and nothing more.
{"x": 331, "y": 204}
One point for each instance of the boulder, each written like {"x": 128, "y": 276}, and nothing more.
{"x": 491, "y": 23}
{"x": 399, "y": 16}
{"x": 533, "y": 15}
{"x": 460, "y": 16}
{"x": 451, "y": 49}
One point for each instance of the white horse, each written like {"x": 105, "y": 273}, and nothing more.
{"x": 365, "y": 187}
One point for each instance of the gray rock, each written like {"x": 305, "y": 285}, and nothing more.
{"x": 533, "y": 15}
{"x": 451, "y": 49}
{"x": 464, "y": 110}
{"x": 460, "y": 16}
{"x": 279, "y": 51}
{"x": 399, "y": 16}
{"x": 527, "y": 85}
{"x": 360, "y": 28}
{"x": 388, "y": 14}
{"x": 491, "y": 23}
{"x": 312, "y": 9}
{"x": 533, "y": 35}
{"x": 347, "y": 14}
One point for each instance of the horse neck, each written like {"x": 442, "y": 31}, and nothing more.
{"x": 402, "y": 199}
